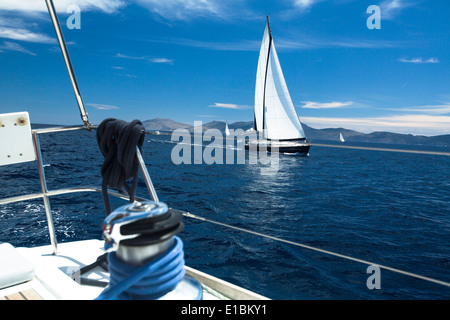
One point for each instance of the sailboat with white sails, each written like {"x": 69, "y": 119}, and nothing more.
{"x": 276, "y": 122}
{"x": 227, "y": 131}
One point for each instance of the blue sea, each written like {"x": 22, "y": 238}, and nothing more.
{"x": 387, "y": 208}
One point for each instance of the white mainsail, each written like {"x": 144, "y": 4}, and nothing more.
{"x": 227, "y": 131}
{"x": 341, "y": 137}
{"x": 261, "y": 80}
{"x": 278, "y": 120}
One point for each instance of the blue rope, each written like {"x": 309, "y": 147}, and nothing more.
{"x": 150, "y": 281}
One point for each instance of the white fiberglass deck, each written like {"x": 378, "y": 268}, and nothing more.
{"x": 53, "y": 278}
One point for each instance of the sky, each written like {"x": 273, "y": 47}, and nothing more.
{"x": 195, "y": 60}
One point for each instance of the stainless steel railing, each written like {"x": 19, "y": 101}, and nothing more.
{"x": 45, "y": 194}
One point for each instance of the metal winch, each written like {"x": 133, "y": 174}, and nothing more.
{"x": 141, "y": 241}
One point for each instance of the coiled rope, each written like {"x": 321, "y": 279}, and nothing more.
{"x": 150, "y": 281}
{"x": 117, "y": 140}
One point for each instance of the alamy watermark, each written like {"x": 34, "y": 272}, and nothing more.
{"x": 74, "y": 20}
{"x": 374, "y": 280}
{"x": 222, "y": 149}
{"x": 374, "y": 21}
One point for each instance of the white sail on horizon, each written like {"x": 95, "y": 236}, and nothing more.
{"x": 278, "y": 120}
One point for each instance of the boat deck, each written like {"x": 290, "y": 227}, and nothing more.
{"x": 53, "y": 273}
{"x": 56, "y": 276}
{"x": 28, "y": 294}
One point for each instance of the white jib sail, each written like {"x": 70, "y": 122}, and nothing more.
{"x": 279, "y": 119}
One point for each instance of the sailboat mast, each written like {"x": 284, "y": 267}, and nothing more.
{"x": 265, "y": 77}
{"x": 268, "y": 25}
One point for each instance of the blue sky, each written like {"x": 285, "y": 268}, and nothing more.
{"x": 195, "y": 60}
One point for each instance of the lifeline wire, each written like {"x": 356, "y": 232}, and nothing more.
{"x": 190, "y": 215}
{"x": 437, "y": 153}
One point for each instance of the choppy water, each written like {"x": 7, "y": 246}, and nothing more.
{"x": 384, "y": 207}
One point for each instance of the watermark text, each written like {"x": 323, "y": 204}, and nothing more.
{"x": 220, "y": 149}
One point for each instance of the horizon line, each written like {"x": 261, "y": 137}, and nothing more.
{"x": 303, "y": 123}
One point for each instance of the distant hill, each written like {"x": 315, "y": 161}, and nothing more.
{"x": 332, "y": 134}
{"x": 162, "y": 124}
{"x": 329, "y": 134}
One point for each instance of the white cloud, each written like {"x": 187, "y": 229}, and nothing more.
{"x": 428, "y": 109}
{"x": 149, "y": 59}
{"x": 304, "y": 4}
{"x": 161, "y": 60}
{"x": 254, "y": 45}
{"x": 19, "y": 29}
{"x": 24, "y": 35}
{"x": 229, "y": 106}
{"x": 23, "y": 29}
{"x": 308, "y": 42}
{"x": 419, "y": 60}
{"x": 391, "y": 4}
{"x": 406, "y": 124}
{"x": 240, "y": 45}
{"x": 326, "y": 105}
{"x": 356, "y": 43}
{"x": 184, "y": 9}
{"x": 12, "y": 46}
{"x": 101, "y": 106}
{"x": 390, "y": 9}
{"x": 120, "y": 55}
{"x": 426, "y": 120}
{"x": 33, "y": 6}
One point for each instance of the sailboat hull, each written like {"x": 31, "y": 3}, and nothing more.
{"x": 295, "y": 146}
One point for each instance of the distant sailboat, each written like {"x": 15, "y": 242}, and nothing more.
{"x": 275, "y": 119}
{"x": 227, "y": 131}
{"x": 341, "y": 137}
